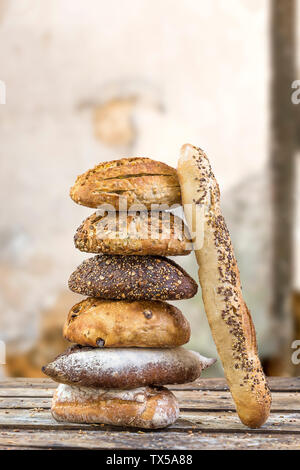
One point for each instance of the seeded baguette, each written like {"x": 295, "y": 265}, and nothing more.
{"x": 115, "y": 277}
{"x": 156, "y": 233}
{"x": 126, "y": 368}
{"x": 227, "y": 313}
{"x": 146, "y": 407}
{"x": 117, "y": 324}
{"x": 136, "y": 180}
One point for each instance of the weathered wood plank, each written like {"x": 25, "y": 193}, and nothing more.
{"x": 160, "y": 440}
{"x": 228, "y": 422}
{"x": 25, "y": 403}
{"x": 214, "y": 400}
{"x": 27, "y": 392}
{"x": 207, "y": 420}
{"x": 282, "y": 384}
{"x": 41, "y": 419}
{"x": 23, "y": 382}
{"x": 276, "y": 384}
{"x": 188, "y": 399}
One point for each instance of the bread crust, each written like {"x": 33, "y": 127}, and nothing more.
{"x": 117, "y": 324}
{"x": 147, "y": 407}
{"x": 227, "y": 313}
{"x": 136, "y": 180}
{"x": 156, "y": 233}
{"x": 113, "y": 277}
{"x": 124, "y": 368}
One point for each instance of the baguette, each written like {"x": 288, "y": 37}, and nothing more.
{"x": 156, "y": 233}
{"x": 126, "y": 368}
{"x": 138, "y": 181}
{"x": 117, "y": 324}
{"x": 146, "y": 407}
{"x": 227, "y": 313}
{"x": 132, "y": 278}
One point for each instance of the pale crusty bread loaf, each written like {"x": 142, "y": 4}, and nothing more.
{"x": 117, "y": 324}
{"x": 136, "y": 180}
{"x": 114, "y": 277}
{"x": 227, "y": 313}
{"x": 145, "y": 407}
{"x": 126, "y": 368}
{"x": 156, "y": 233}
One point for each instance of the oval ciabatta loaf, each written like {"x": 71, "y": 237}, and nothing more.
{"x": 145, "y": 407}
{"x": 120, "y": 233}
{"x": 135, "y": 180}
{"x": 132, "y": 278}
{"x": 117, "y": 324}
{"x": 126, "y": 368}
{"x": 227, "y": 313}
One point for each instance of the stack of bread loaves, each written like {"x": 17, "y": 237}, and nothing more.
{"x": 128, "y": 339}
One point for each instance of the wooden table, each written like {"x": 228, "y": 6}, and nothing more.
{"x": 207, "y": 420}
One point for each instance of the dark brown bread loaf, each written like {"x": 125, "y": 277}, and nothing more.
{"x": 145, "y": 233}
{"x": 132, "y": 278}
{"x": 123, "y": 323}
{"x": 124, "y": 368}
{"x": 136, "y": 180}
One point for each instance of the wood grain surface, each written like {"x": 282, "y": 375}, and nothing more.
{"x": 207, "y": 420}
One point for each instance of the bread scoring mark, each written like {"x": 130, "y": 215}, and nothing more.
{"x": 235, "y": 310}
{"x": 137, "y": 175}
{"x": 129, "y": 163}
{"x": 128, "y": 190}
{"x": 138, "y": 180}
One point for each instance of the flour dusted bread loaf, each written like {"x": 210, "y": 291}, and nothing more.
{"x": 117, "y": 324}
{"x": 135, "y": 180}
{"x": 145, "y": 407}
{"x": 227, "y": 313}
{"x": 132, "y": 278}
{"x": 145, "y": 233}
{"x": 126, "y": 368}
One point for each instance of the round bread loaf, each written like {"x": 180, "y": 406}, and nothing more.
{"x": 144, "y": 233}
{"x": 135, "y": 180}
{"x": 116, "y": 324}
{"x": 126, "y": 368}
{"x": 145, "y": 407}
{"x": 132, "y": 278}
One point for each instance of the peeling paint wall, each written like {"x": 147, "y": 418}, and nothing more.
{"x": 92, "y": 80}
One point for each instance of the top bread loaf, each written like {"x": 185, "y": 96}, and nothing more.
{"x": 140, "y": 181}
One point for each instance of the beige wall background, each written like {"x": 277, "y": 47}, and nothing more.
{"x": 88, "y": 81}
